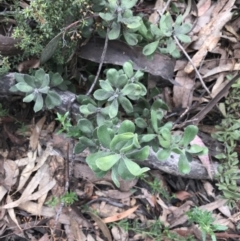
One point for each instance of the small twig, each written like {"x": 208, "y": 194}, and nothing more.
{"x": 190, "y": 60}
{"x": 100, "y": 64}
{"x": 165, "y": 7}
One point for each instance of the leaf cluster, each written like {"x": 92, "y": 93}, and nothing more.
{"x": 37, "y": 88}
{"x": 163, "y": 34}
{"x": 120, "y": 19}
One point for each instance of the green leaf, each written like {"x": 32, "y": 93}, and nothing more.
{"x": 50, "y": 48}
{"x": 149, "y": 49}
{"x": 154, "y": 120}
{"x": 38, "y": 103}
{"x": 179, "y": 19}
{"x": 115, "y": 176}
{"x": 184, "y": 29}
{"x": 183, "y": 38}
{"x": 85, "y": 126}
{"x": 119, "y": 138}
{"x": 126, "y": 126}
{"x": 112, "y": 76}
{"x": 121, "y": 81}
{"x": 107, "y": 16}
{"x": 84, "y": 110}
{"x": 183, "y": 164}
{"x": 40, "y": 75}
{"x": 113, "y": 109}
{"x": 166, "y": 133}
{"x": 102, "y": 94}
{"x": 143, "y": 30}
{"x": 56, "y": 79}
{"x": 23, "y": 87}
{"x": 171, "y": 46}
{"x": 164, "y": 143}
{"x": 128, "y": 3}
{"x": 163, "y": 154}
{"x": 83, "y": 143}
{"x": 30, "y": 80}
{"x": 105, "y": 85}
{"x": 29, "y": 97}
{"x": 166, "y": 24}
{"x": 104, "y": 136}
{"x": 176, "y": 54}
{"x": 19, "y": 77}
{"x": 13, "y": 89}
{"x": 91, "y": 159}
{"x": 129, "y": 88}
{"x": 84, "y": 100}
{"x": 141, "y": 123}
{"x": 53, "y": 99}
{"x": 148, "y": 137}
{"x": 92, "y": 108}
{"x": 105, "y": 163}
{"x": 45, "y": 81}
{"x": 139, "y": 155}
{"x": 189, "y": 134}
{"x": 123, "y": 171}
{"x": 195, "y": 149}
{"x": 132, "y": 22}
{"x": 159, "y": 104}
{"x": 114, "y": 33}
{"x": 128, "y": 69}
{"x": 155, "y": 31}
{"x": 126, "y": 146}
{"x": 134, "y": 168}
{"x": 131, "y": 38}
{"x": 126, "y": 104}
{"x": 44, "y": 90}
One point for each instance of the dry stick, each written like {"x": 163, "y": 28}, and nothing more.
{"x": 190, "y": 60}
{"x": 165, "y": 7}
{"x": 101, "y": 63}
{"x": 65, "y": 191}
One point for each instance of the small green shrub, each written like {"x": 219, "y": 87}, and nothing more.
{"x": 68, "y": 199}
{"x": 206, "y": 222}
{"x": 115, "y": 141}
{"x": 38, "y": 88}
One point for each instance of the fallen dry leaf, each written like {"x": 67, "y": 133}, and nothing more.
{"x": 182, "y": 95}
{"x": 121, "y": 215}
{"x": 203, "y": 158}
{"x": 33, "y": 142}
{"x": 28, "y": 64}
{"x": 11, "y": 213}
{"x": 182, "y": 195}
{"x": 101, "y": 224}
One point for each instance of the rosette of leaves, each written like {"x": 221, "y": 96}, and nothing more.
{"x": 163, "y": 34}
{"x": 38, "y": 88}
{"x": 160, "y": 135}
{"x": 118, "y": 89}
{"x": 114, "y": 150}
{"x": 119, "y": 13}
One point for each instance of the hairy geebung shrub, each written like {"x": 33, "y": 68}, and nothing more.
{"x": 116, "y": 143}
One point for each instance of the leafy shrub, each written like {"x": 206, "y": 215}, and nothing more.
{"x": 38, "y": 88}
{"x": 116, "y": 142}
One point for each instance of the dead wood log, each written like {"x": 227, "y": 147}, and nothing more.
{"x": 170, "y": 166}
{"x": 8, "y": 46}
